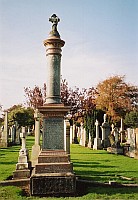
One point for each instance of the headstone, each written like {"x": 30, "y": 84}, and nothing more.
{"x": 53, "y": 175}
{"x": 105, "y": 133}
{"x": 122, "y": 132}
{"x": 84, "y": 137}
{"x": 90, "y": 141}
{"x": 97, "y": 140}
{"x": 136, "y": 146}
{"x": 23, "y": 165}
{"x": 36, "y": 146}
{"x": 112, "y": 126}
{"x": 128, "y": 135}
{"x": 116, "y": 134}
{"x": 13, "y": 132}
{"x": 71, "y": 134}
{"x": 18, "y": 131}
{"x": 67, "y": 136}
{"x": 115, "y": 147}
{"x": 81, "y": 133}
{"x": 4, "y": 134}
{"x": 132, "y": 144}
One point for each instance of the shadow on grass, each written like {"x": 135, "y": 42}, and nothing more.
{"x": 113, "y": 190}
{"x": 84, "y": 188}
{"x": 8, "y": 163}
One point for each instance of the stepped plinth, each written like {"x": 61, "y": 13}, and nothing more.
{"x": 53, "y": 172}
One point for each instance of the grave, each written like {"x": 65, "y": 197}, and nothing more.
{"x": 105, "y": 133}
{"x": 4, "y": 134}
{"x": 136, "y": 149}
{"x": 23, "y": 165}
{"x": 36, "y": 146}
{"x": 115, "y": 147}
{"x": 53, "y": 174}
{"x": 97, "y": 141}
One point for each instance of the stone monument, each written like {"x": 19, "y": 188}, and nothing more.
{"x": 4, "y": 134}
{"x": 23, "y": 165}
{"x": 53, "y": 175}
{"x": 105, "y": 133}
{"x": 36, "y": 146}
{"x": 97, "y": 141}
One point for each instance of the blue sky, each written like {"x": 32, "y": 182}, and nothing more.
{"x": 101, "y": 40}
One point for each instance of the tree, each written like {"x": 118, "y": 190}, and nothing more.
{"x": 131, "y": 119}
{"x": 36, "y": 96}
{"x": 116, "y": 97}
{"x": 23, "y": 116}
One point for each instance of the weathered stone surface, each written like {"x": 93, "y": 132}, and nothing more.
{"x": 115, "y": 150}
{"x": 21, "y": 174}
{"x": 53, "y": 168}
{"x": 53, "y": 185}
{"x": 53, "y": 133}
{"x": 53, "y": 159}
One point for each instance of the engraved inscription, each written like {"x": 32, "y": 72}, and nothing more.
{"x": 53, "y": 134}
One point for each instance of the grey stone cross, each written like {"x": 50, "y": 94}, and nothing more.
{"x": 54, "y": 19}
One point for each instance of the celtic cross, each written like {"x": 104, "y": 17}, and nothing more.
{"x": 54, "y": 19}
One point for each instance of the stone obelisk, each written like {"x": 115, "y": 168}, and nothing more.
{"x": 53, "y": 175}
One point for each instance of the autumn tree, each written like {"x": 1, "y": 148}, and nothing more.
{"x": 116, "y": 97}
{"x": 36, "y": 96}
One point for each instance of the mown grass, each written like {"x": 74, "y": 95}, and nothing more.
{"x": 89, "y": 164}
{"x": 102, "y": 166}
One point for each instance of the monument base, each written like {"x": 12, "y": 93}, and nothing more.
{"x": 35, "y": 154}
{"x": 53, "y": 174}
{"x": 115, "y": 150}
{"x": 97, "y": 144}
{"x": 53, "y": 184}
{"x": 21, "y": 174}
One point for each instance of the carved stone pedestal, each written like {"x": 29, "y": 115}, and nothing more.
{"x": 57, "y": 184}
{"x": 53, "y": 175}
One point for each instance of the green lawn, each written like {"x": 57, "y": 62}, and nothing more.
{"x": 89, "y": 164}
{"x": 102, "y": 166}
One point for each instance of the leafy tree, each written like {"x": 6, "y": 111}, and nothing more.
{"x": 35, "y": 96}
{"x": 23, "y": 116}
{"x": 116, "y": 97}
{"x": 131, "y": 119}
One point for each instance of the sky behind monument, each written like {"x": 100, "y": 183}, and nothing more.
{"x": 101, "y": 40}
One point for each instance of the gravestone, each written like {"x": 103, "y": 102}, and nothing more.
{"x": 23, "y": 165}
{"x": 115, "y": 147}
{"x": 4, "y": 134}
{"x": 132, "y": 143}
{"x": 53, "y": 175}
{"x": 90, "y": 141}
{"x": 36, "y": 146}
{"x": 81, "y": 132}
{"x": 13, "y": 132}
{"x": 71, "y": 134}
{"x": 122, "y": 132}
{"x": 67, "y": 136}
{"x": 97, "y": 140}
{"x": 136, "y": 146}
{"x": 105, "y": 133}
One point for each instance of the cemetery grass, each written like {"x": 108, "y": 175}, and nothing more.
{"x": 88, "y": 164}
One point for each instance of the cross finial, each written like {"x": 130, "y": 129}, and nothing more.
{"x": 54, "y": 19}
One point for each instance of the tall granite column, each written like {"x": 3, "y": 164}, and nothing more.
{"x": 53, "y": 175}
